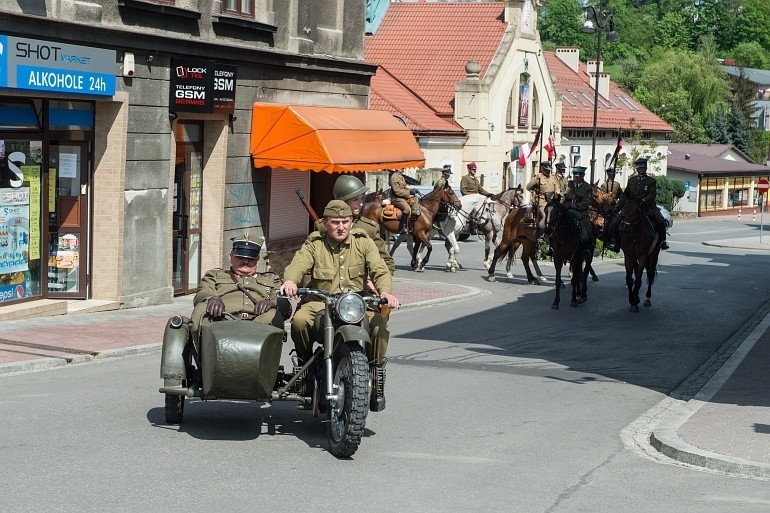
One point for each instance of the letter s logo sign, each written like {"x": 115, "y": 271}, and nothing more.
{"x": 15, "y": 160}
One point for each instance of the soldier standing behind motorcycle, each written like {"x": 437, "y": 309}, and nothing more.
{"x": 340, "y": 260}
{"x": 240, "y": 291}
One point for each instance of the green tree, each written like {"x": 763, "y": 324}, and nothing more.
{"x": 752, "y": 23}
{"x": 560, "y": 23}
{"x": 751, "y": 55}
{"x": 669, "y": 191}
{"x": 673, "y": 32}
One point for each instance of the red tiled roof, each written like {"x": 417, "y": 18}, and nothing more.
{"x": 709, "y": 150}
{"x": 707, "y": 165}
{"x": 426, "y": 45}
{"x": 613, "y": 113}
{"x": 388, "y": 94}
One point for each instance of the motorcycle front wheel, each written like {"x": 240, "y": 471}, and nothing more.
{"x": 348, "y": 417}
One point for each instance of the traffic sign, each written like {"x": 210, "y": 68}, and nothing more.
{"x": 763, "y": 185}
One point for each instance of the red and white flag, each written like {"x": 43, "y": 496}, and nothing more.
{"x": 550, "y": 147}
{"x": 614, "y": 159}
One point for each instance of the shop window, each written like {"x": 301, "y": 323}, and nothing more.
{"x": 67, "y": 115}
{"x": 20, "y": 114}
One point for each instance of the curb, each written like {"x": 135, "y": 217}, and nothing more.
{"x": 665, "y": 437}
{"x": 736, "y": 245}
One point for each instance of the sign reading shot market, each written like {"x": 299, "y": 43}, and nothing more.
{"x": 202, "y": 86}
{"x": 35, "y": 65}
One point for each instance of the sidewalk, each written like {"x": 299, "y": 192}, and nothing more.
{"x": 55, "y": 341}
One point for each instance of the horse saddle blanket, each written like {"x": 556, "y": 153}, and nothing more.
{"x": 530, "y": 216}
{"x": 391, "y": 213}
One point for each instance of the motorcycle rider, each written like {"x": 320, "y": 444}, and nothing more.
{"x": 339, "y": 260}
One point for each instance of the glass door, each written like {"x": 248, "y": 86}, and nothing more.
{"x": 68, "y": 210}
{"x": 187, "y": 194}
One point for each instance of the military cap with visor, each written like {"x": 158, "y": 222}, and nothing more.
{"x": 246, "y": 246}
{"x": 641, "y": 162}
{"x": 447, "y": 169}
{"x": 578, "y": 171}
{"x": 546, "y": 166}
{"x": 610, "y": 171}
{"x": 561, "y": 166}
{"x": 337, "y": 208}
{"x": 347, "y": 187}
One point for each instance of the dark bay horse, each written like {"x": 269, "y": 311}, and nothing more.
{"x": 421, "y": 228}
{"x": 640, "y": 243}
{"x": 516, "y": 231}
{"x": 568, "y": 247}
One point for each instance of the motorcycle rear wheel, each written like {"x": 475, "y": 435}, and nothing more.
{"x": 348, "y": 418}
{"x": 174, "y": 409}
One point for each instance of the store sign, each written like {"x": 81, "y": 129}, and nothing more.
{"x": 202, "y": 86}
{"x": 35, "y": 65}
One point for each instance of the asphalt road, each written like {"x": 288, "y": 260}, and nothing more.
{"x": 495, "y": 403}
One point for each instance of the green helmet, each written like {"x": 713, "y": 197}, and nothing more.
{"x": 348, "y": 186}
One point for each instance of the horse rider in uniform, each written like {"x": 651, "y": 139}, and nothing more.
{"x": 470, "y": 184}
{"x": 240, "y": 291}
{"x": 443, "y": 180}
{"x": 544, "y": 186}
{"x": 577, "y": 198}
{"x": 610, "y": 186}
{"x": 351, "y": 190}
{"x": 644, "y": 189}
{"x": 340, "y": 260}
{"x": 561, "y": 168}
{"x": 402, "y": 196}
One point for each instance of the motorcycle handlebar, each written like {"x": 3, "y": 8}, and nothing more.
{"x": 306, "y": 291}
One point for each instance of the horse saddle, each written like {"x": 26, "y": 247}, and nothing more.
{"x": 391, "y": 213}
{"x": 530, "y": 216}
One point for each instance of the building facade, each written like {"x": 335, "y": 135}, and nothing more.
{"x": 124, "y": 136}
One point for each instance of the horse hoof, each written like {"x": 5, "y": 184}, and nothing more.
{"x": 594, "y": 278}
{"x": 582, "y": 299}
{"x": 509, "y": 275}
{"x": 543, "y": 279}
{"x": 647, "y": 302}
{"x": 633, "y": 308}
{"x": 534, "y": 282}
{"x": 491, "y": 279}
{"x": 554, "y": 306}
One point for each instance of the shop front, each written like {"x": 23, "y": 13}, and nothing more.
{"x": 47, "y": 110}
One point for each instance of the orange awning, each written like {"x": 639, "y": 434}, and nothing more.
{"x": 332, "y": 139}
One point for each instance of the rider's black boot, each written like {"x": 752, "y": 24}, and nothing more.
{"x": 377, "y": 375}
{"x": 663, "y": 243}
{"x": 404, "y": 223}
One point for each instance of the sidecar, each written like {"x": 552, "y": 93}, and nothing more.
{"x": 230, "y": 359}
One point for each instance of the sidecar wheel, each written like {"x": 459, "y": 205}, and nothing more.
{"x": 174, "y": 409}
{"x": 348, "y": 417}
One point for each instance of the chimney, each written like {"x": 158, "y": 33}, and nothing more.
{"x": 569, "y": 55}
{"x": 604, "y": 83}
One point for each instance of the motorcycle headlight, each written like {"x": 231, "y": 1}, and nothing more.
{"x": 350, "y": 308}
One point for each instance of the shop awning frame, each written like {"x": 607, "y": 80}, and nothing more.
{"x": 331, "y": 139}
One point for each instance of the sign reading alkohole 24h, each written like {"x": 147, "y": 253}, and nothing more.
{"x": 35, "y": 65}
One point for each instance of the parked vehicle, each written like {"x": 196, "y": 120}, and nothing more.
{"x": 237, "y": 359}
{"x": 666, "y": 215}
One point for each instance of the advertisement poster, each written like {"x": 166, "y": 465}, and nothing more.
{"x": 14, "y": 230}
{"x": 68, "y": 253}
{"x": 32, "y": 173}
{"x": 68, "y": 165}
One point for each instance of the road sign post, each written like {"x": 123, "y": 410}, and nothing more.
{"x": 762, "y": 186}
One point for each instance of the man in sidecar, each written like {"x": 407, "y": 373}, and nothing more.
{"x": 340, "y": 259}
{"x": 240, "y": 291}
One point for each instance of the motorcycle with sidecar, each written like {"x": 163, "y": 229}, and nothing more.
{"x": 236, "y": 359}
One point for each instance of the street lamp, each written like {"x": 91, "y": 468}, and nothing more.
{"x": 598, "y": 22}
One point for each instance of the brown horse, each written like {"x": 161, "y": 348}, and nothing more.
{"x": 419, "y": 229}
{"x": 568, "y": 247}
{"x": 517, "y": 230}
{"x": 640, "y": 243}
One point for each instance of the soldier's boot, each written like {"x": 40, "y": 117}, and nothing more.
{"x": 403, "y": 223}
{"x": 614, "y": 243}
{"x": 377, "y": 376}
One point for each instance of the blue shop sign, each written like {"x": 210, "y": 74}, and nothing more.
{"x": 35, "y": 65}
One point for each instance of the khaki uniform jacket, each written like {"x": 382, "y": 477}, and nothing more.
{"x": 611, "y": 186}
{"x": 218, "y": 282}
{"x": 398, "y": 186}
{"x": 338, "y": 267}
{"x": 642, "y": 188}
{"x": 470, "y": 185}
{"x": 562, "y": 181}
{"x": 544, "y": 187}
{"x": 372, "y": 229}
{"x": 440, "y": 183}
